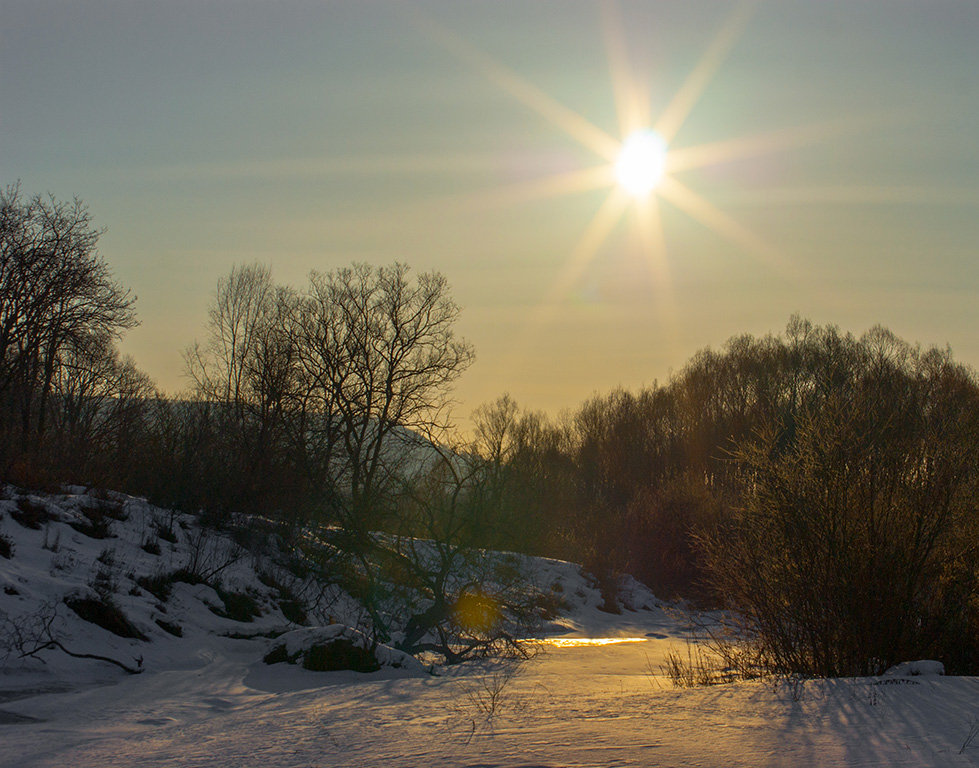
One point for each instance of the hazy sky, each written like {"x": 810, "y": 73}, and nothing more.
{"x": 841, "y": 181}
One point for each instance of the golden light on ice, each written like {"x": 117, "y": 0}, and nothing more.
{"x": 587, "y": 642}
{"x": 641, "y": 162}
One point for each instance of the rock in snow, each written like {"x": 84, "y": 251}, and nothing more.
{"x": 916, "y": 668}
{"x": 336, "y": 647}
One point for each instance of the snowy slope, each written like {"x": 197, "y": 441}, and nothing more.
{"x": 59, "y": 561}
{"x": 207, "y": 699}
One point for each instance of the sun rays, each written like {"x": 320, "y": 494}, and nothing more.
{"x": 638, "y": 168}
{"x": 686, "y": 98}
{"x": 642, "y": 168}
{"x": 574, "y": 125}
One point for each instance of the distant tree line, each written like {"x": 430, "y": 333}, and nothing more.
{"x": 820, "y": 485}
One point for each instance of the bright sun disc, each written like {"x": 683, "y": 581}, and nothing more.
{"x": 641, "y": 162}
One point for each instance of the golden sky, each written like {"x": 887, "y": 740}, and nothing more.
{"x": 821, "y": 159}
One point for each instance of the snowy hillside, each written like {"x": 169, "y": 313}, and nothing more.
{"x": 203, "y": 694}
{"x": 100, "y": 585}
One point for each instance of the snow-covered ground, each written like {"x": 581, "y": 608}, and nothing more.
{"x": 205, "y": 699}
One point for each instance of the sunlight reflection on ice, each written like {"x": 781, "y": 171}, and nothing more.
{"x": 579, "y": 642}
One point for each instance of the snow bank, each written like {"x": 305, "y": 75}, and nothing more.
{"x": 916, "y": 668}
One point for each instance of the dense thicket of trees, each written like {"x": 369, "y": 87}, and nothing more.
{"x": 823, "y": 486}
{"x": 855, "y": 543}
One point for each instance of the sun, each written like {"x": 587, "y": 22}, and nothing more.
{"x": 641, "y": 162}
{"x": 643, "y": 171}
{"x": 640, "y": 166}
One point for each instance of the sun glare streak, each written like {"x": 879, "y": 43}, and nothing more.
{"x": 631, "y": 107}
{"x": 717, "y": 152}
{"x": 540, "y": 188}
{"x": 595, "y": 234}
{"x": 697, "y": 81}
{"x": 859, "y": 195}
{"x": 556, "y": 185}
{"x": 653, "y": 241}
{"x": 637, "y": 166}
{"x": 569, "y": 121}
{"x": 317, "y": 166}
{"x": 653, "y": 244}
{"x": 698, "y": 208}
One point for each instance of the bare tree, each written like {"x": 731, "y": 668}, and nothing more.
{"x": 55, "y": 292}
{"x": 377, "y": 357}
{"x": 241, "y": 315}
{"x": 101, "y": 411}
{"x": 246, "y": 370}
{"x": 456, "y": 597}
{"x": 29, "y": 635}
{"x": 380, "y": 357}
{"x": 324, "y": 383}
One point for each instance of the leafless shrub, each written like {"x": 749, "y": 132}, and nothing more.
{"x": 487, "y": 694}
{"x": 65, "y": 561}
{"x": 697, "y": 667}
{"x": 973, "y": 732}
{"x": 211, "y": 553}
{"x": 28, "y": 636}
{"x": 854, "y": 544}
{"x": 30, "y": 514}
